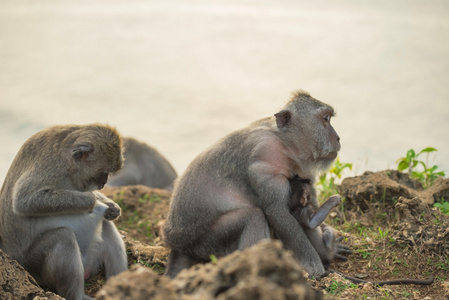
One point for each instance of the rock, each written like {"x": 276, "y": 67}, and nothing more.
{"x": 17, "y": 283}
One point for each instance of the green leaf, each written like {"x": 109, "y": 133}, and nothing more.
{"x": 402, "y": 165}
{"x": 410, "y": 154}
{"x": 428, "y": 149}
{"x": 400, "y": 159}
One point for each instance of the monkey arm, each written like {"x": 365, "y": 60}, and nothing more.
{"x": 48, "y": 201}
{"x": 313, "y": 220}
{"x": 274, "y": 197}
{"x": 100, "y": 197}
{"x": 292, "y": 235}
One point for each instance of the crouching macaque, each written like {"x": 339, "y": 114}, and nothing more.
{"x": 323, "y": 236}
{"x": 144, "y": 165}
{"x": 234, "y": 193}
{"x": 311, "y": 218}
{"x": 52, "y": 221}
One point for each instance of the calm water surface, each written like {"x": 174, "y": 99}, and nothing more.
{"x": 181, "y": 74}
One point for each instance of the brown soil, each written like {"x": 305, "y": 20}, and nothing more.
{"x": 386, "y": 219}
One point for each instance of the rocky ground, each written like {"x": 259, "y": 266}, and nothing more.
{"x": 387, "y": 219}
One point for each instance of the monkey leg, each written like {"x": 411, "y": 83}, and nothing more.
{"x": 54, "y": 260}
{"x": 324, "y": 210}
{"x": 111, "y": 252}
{"x": 234, "y": 230}
{"x": 178, "y": 261}
{"x": 332, "y": 243}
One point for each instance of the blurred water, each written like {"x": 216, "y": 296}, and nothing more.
{"x": 181, "y": 74}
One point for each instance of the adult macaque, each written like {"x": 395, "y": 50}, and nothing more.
{"x": 144, "y": 165}
{"x": 52, "y": 221}
{"x": 311, "y": 218}
{"x": 236, "y": 191}
{"x": 322, "y": 236}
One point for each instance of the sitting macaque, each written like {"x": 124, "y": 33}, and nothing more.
{"x": 53, "y": 221}
{"x": 143, "y": 165}
{"x": 236, "y": 193}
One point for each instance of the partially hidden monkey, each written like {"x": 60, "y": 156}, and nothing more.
{"x": 52, "y": 219}
{"x": 322, "y": 236}
{"x": 311, "y": 218}
{"x": 232, "y": 195}
{"x": 144, "y": 165}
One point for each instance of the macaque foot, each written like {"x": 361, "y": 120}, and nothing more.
{"x": 341, "y": 249}
{"x": 112, "y": 212}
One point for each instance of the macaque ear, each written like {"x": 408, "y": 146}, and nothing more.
{"x": 283, "y": 119}
{"x": 82, "y": 151}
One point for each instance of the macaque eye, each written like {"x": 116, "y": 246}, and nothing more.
{"x": 327, "y": 118}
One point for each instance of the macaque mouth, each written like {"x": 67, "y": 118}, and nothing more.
{"x": 331, "y": 156}
{"x": 101, "y": 179}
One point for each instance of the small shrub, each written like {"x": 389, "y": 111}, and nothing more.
{"x": 428, "y": 175}
{"x": 443, "y": 206}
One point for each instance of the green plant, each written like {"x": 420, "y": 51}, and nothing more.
{"x": 336, "y": 288}
{"x": 327, "y": 182}
{"x": 146, "y": 199}
{"x": 441, "y": 263}
{"x": 382, "y": 234}
{"x": 365, "y": 253}
{"x": 213, "y": 258}
{"x": 443, "y": 206}
{"x": 428, "y": 175}
{"x": 118, "y": 198}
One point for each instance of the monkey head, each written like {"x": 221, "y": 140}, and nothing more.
{"x": 304, "y": 125}
{"x": 300, "y": 191}
{"x": 94, "y": 153}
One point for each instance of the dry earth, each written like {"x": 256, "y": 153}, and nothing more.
{"x": 386, "y": 219}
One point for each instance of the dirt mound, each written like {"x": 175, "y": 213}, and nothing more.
{"x": 422, "y": 227}
{"x": 264, "y": 271}
{"x": 143, "y": 211}
{"x": 396, "y": 235}
{"x": 386, "y": 187}
{"x": 138, "y": 283}
{"x": 144, "y": 254}
{"x": 17, "y": 283}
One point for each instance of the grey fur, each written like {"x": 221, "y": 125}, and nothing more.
{"x": 144, "y": 165}
{"x": 234, "y": 193}
{"x": 311, "y": 218}
{"x": 51, "y": 219}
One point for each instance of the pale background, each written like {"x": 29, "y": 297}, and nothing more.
{"x": 181, "y": 74}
